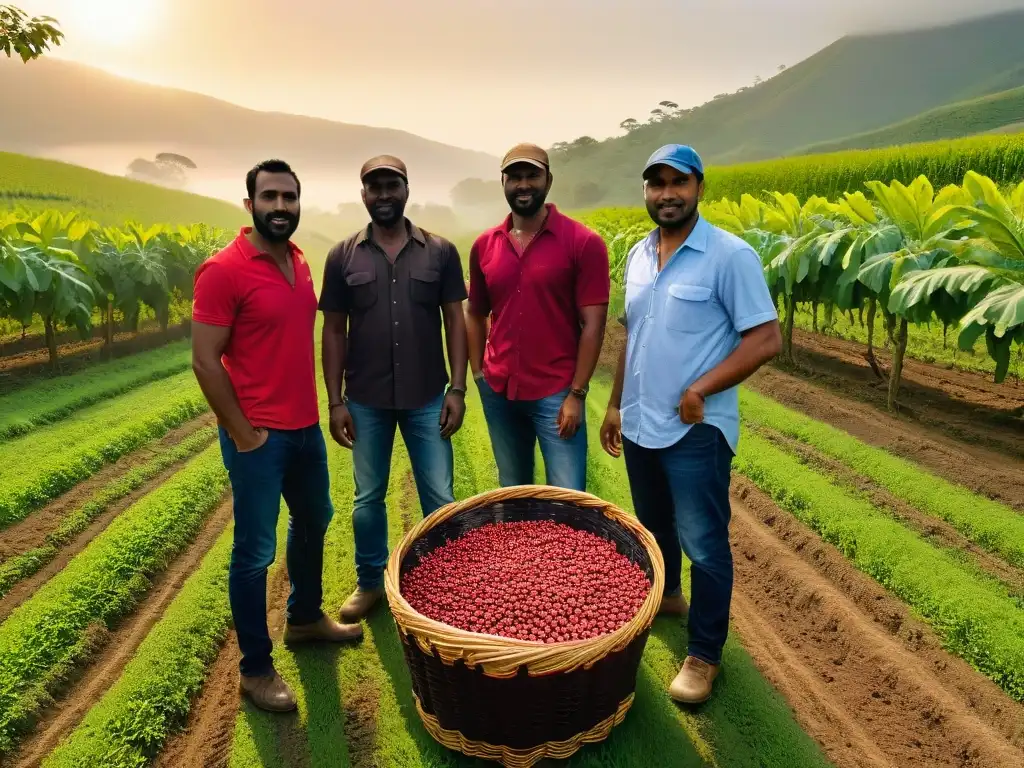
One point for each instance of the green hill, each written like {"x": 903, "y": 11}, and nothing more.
{"x": 111, "y": 200}
{"x": 989, "y": 114}
{"x": 857, "y": 84}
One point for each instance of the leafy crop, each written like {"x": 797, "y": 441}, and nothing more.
{"x": 42, "y": 640}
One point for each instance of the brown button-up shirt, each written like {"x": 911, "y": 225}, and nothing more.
{"x": 395, "y": 352}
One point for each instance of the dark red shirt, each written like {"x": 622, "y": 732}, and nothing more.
{"x": 534, "y": 301}
{"x": 269, "y": 356}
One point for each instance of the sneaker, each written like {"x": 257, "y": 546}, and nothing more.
{"x": 693, "y": 683}
{"x": 360, "y": 603}
{"x": 269, "y": 692}
{"x": 673, "y": 605}
{"x": 325, "y": 629}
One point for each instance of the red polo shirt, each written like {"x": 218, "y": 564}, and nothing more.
{"x": 534, "y": 302}
{"x": 269, "y": 356}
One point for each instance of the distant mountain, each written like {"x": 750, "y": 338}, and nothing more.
{"x": 1001, "y": 112}
{"x": 67, "y": 111}
{"x": 858, "y": 84}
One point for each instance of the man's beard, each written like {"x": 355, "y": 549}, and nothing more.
{"x": 394, "y": 211}
{"x": 271, "y": 233}
{"x": 688, "y": 216}
{"x": 526, "y": 210}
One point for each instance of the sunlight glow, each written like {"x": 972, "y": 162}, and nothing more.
{"x": 115, "y": 22}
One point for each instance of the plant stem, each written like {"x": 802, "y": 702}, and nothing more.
{"x": 897, "y": 364}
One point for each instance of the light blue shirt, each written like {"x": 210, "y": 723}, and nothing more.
{"x": 681, "y": 323}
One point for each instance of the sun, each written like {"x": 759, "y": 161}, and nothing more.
{"x": 114, "y": 22}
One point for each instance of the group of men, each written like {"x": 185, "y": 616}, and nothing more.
{"x": 398, "y": 335}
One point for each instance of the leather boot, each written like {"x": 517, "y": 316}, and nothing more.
{"x": 360, "y": 603}
{"x": 269, "y": 692}
{"x": 325, "y": 629}
{"x": 673, "y": 605}
{"x": 693, "y": 683}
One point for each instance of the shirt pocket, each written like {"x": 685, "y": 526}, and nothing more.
{"x": 425, "y": 286}
{"x": 688, "y": 308}
{"x": 362, "y": 289}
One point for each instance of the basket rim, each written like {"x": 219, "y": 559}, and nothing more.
{"x": 501, "y": 656}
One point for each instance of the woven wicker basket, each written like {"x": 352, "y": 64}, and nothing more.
{"x": 515, "y": 701}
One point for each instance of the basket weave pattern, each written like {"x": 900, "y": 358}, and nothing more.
{"x": 512, "y": 700}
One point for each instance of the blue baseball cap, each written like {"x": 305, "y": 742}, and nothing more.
{"x": 678, "y": 156}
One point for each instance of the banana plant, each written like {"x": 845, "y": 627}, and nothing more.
{"x": 983, "y": 291}
{"x": 930, "y": 233}
{"x": 139, "y": 256}
{"x": 43, "y": 267}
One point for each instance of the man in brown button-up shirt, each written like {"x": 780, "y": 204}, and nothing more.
{"x": 386, "y": 290}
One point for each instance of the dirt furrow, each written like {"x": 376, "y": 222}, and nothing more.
{"x": 975, "y": 466}
{"x": 931, "y": 528}
{"x": 25, "y": 588}
{"x": 118, "y": 647}
{"x": 869, "y": 682}
{"x": 31, "y": 532}
{"x": 206, "y": 740}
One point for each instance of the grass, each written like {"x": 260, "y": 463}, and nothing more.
{"x": 51, "y": 400}
{"x": 993, "y": 526}
{"x": 26, "y": 564}
{"x": 151, "y": 699}
{"x": 68, "y": 452}
{"x": 46, "y": 636}
{"x": 976, "y": 619}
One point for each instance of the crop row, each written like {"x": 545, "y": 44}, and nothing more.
{"x": 46, "y": 636}
{"x": 975, "y": 618}
{"x": 24, "y": 565}
{"x": 49, "y": 401}
{"x": 993, "y": 526}
{"x": 40, "y": 466}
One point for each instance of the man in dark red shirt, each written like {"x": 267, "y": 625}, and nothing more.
{"x": 253, "y": 314}
{"x": 542, "y": 280}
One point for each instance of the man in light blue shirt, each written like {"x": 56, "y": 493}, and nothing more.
{"x": 700, "y": 320}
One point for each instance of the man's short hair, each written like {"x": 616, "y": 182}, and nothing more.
{"x": 270, "y": 166}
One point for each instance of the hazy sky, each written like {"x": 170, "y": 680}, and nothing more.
{"x": 482, "y": 74}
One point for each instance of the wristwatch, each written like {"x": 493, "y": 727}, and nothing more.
{"x": 580, "y": 394}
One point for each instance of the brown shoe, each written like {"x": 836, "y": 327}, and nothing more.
{"x": 325, "y": 629}
{"x": 269, "y": 692}
{"x": 693, "y": 683}
{"x": 673, "y": 605}
{"x": 359, "y": 604}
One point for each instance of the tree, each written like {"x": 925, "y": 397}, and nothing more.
{"x": 668, "y": 105}
{"x": 168, "y": 168}
{"x": 629, "y": 125}
{"x": 29, "y": 38}
{"x": 657, "y": 114}
{"x": 473, "y": 193}
{"x": 758, "y": 80}
{"x": 782, "y": 67}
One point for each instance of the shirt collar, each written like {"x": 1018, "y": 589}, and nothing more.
{"x": 414, "y": 232}
{"x": 697, "y": 240}
{"x": 250, "y": 251}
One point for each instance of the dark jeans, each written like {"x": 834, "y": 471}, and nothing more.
{"x": 681, "y": 495}
{"x": 432, "y": 462}
{"x": 516, "y": 426}
{"x": 292, "y": 464}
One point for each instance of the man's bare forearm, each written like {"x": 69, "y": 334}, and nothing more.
{"x": 591, "y": 339}
{"x": 756, "y": 348}
{"x": 334, "y": 344}
{"x": 220, "y": 394}
{"x": 456, "y": 341}
{"x": 476, "y": 337}
{"x": 615, "y": 401}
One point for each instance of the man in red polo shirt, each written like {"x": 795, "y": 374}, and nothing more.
{"x": 253, "y": 314}
{"x": 542, "y": 280}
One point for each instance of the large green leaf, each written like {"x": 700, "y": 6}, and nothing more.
{"x": 948, "y": 292}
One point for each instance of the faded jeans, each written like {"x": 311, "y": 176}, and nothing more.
{"x": 432, "y": 462}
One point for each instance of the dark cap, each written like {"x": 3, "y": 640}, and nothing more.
{"x": 384, "y": 163}
{"x": 526, "y": 153}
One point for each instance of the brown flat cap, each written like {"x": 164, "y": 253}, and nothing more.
{"x": 526, "y": 153}
{"x": 384, "y": 163}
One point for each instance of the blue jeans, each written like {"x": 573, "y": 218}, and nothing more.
{"x": 681, "y": 495}
{"x": 515, "y": 427}
{"x": 432, "y": 462}
{"x": 292, "y": 464}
